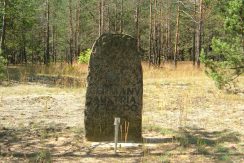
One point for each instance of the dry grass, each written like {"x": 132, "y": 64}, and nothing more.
{"x": 185, "y": 98}
{"x": 190, "y": 118}
{"x": 184, "y": 69}
{"x": 60, "y": 74}
{"x": 62, "y": 69}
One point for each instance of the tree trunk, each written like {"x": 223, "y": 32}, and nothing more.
{"x": 194, "y": 48}
{"x": 122, "y": 16}
{"x": 199, "y": 35}
{"x": 109, "y": 19}
{"x": 176, "y": 52}
{"x": 47, "y": 55}
{"x": 32, "y": 48}
{"x": 137, "y": 24}
{"x": 76, "y": 23}
{"x": 116, "y": 16}
{"x": 24, "y": 51}
{"x": 78, "y": 30}
{"x": 150, "y": 34}
{"x": 157, "y": 34}
{"x": 169, "y": 29}
{"x": 53, "y": 43}
{"x": 161, "y": 35}
{"x": 2, "y": 41}
{"x": 71, "y": 33}
{"x": 194, "y": 37}
{"x": 154, "y": 33}
{"x": 101, "y": 5}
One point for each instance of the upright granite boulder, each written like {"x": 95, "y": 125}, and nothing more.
{"x": 115, "y": 89}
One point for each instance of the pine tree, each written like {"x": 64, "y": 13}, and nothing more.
{"x": 226, "y": 62}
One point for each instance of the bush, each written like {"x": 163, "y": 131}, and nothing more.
{"x": 84, "y": 56}
{"x": 2, "y": 67}
{"x": 225, "y": 63}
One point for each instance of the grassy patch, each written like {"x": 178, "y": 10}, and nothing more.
{"x": 224, "y": 157}
{"x": 44, "y": 156}
{"x": 221, "y": 149}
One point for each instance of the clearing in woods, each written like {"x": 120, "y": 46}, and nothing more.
{"x": 185, "y": 119}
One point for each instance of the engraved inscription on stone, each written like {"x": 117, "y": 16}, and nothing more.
{"x": 114, "y": 88}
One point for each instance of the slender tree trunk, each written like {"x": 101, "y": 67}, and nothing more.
{"x": 24, "y": 51}
{"x": 109, "y": 19}
{"x": 100, "y": 18}
{"x": 116, "y": 16}
{"x": 54, "y": 36}
{"x": 2, "y": 40}
{"x": 101, "y": 5}
{"x": 78, "y": 30}
{"x": 44, "y": 44}
{"x": 169, "y": 29}
{"x": 194, "y": 36}
{"x": 122, "y": 16}
{"x": 242, "y": 38}
{"x": 137, "y": 24}
{"x": 20, "y": 60}
{"x": 23, "y": 45}
{"x": 32, "y": 48}
{"x": 199, "y": 35}
{"x": 47, "y": 54}
{"x": 53, "y": 44}
{"x": 71, "y": 33}
{"x": 67, "y": 55}
{"x": 76, "y": 23}
{"x": 32, "y": 56}
{"x": 155, "y": 33}
{"x": 194, "y": 48}
{"x": 166, "y": 41}
{"x": 242, "y": 28}
{"x": 161, "y": 35}
{"x": 150, "y": 34}
{"x": 102, "y": 25}
{"x": 176, "y": 52}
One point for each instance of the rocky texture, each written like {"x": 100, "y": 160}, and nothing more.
{"x": 114, "y": 89}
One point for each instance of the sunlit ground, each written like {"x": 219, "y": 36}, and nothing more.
{"x": 185, "y": 119}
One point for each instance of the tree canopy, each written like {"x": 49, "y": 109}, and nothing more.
{"x": 45, "y": 31}
{"x": 226, "y": 61}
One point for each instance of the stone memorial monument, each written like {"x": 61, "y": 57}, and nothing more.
{"x": 114, "y": 89}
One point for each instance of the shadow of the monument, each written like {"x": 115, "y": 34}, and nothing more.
{"x": 56, "y": 142}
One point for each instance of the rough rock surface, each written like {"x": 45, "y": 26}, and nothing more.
{"x": 114, "y": 89}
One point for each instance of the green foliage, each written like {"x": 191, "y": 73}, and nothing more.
{"x": 225, "y": 157}
{"x": 2, "y": 66}
{"x": 26, "y": 29}
{"x": 226, "y": 61}
{"x": 84, "y": 56}
{"x": 234, "y": 22}
{"x": 44, "y": 156}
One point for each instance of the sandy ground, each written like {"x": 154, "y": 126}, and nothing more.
{"x": 185, "y": 121}
{"x": 47, "y": 108}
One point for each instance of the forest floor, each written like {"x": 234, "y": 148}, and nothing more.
{"x": 185, "y": 119}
